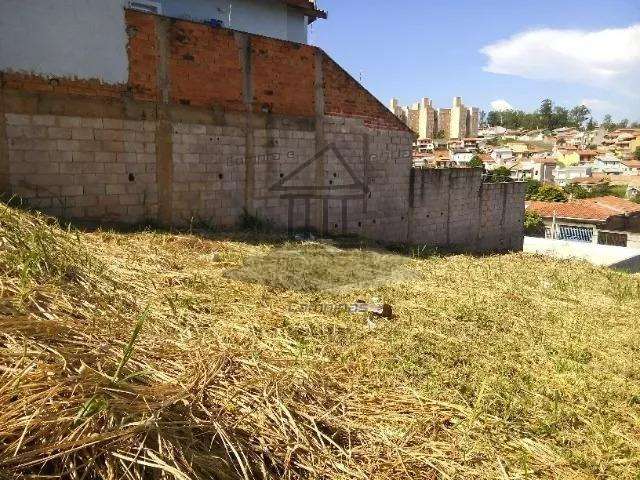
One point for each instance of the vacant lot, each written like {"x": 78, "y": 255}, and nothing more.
{"x": 154, "y": 355}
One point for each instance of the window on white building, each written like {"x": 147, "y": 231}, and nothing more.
{"x": 148, "y": 6}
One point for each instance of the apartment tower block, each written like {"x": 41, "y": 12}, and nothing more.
{"x": 426, "y": 121}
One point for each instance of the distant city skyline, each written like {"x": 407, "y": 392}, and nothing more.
{"x": 491, "y": 52}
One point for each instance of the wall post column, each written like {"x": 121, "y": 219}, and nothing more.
{"x": 320, "y": 210}
{"x": 164, "y": 129}
{"x": 243, "y": 42}
{"x": 5, "y": 181}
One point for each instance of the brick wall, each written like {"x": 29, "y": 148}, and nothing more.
{"x": 143, "y": 55}
{"x": 213, "y": 122}
{"x": 204, "y": 66}
{"x": 344, "y": 96}
{"x": 289, "y": 88}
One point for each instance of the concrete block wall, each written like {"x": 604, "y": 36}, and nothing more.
{"x": 86, "y": 168}
{"x": 502, "y": 216}
{"x": 356, "y": 182}
{"x": 453, "y": 208}
{"x": 208, "y": 173}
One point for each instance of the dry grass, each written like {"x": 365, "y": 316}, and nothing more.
{"x": 152, "y": 355}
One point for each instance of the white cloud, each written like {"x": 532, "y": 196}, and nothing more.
{"x": 501, "y": 105}
{"x": 600, "y": 107}
{"x": 606, "y": 58}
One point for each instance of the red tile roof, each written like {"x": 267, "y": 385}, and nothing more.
{"x": 543, "y": 160}
{"x": 616, "y": 204}
{"x": 598, "y": 209}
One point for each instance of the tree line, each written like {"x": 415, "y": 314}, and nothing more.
{"x": 551, "y": 116}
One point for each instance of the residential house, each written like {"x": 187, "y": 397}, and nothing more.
{"x": 503, "y": 156}
{"x": 622, "y": 142}
{"x": 520, "y": 150}
{"x": 284, "y": 19}
{"x": 437, "y": 159}
{"x": 424, "y": 145}
{"x": 569, "y": 156}
{"x": 492, "y": 132}
{"x": 564, "y": 175}
{"x": 631, "y": 167}
{"x": 602, "y": 220}
{"x": 608, "y": 164}
{"x": 539, "y": 168}
{"x": 533, "y": 136}
{"x": 544, "y": 168}
{"x": 462, "y": 157}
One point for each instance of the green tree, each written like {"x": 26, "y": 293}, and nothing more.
{"x": 560, "y": 118}
{"x": 550, "y": 193}
{"x": 607, "y": 123}
{"x": 532, "y": 188}
{"x": 493, "y": 119}
{"x": 578, "y": 115}
{"x": 546, "y": 112}
{"x": 636, "y": 154}
{"x": 475, "y": 162}
{"x": 533, "y": 224}
{"x": 576, "y": 191}
{"x": 499, "y": 175}
{"x": 548, "y": 116}
{"x": 601, "y": 189}
{"x": 440, "y": 134}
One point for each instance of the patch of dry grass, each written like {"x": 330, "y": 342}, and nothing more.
{"x": 499, "y": 367}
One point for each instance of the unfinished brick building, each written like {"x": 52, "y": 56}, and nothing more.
{"x": 176, "y": 121}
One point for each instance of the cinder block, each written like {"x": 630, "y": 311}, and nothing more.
{"x": 71, "y": 190}
{"x": 59, "y": 133}
{"x": 17, "y": 119}
{"x": 115, "y": 189}
{"x": 116, "y": 147}
{"x": 44, "y": 120}
{"x": 83, "y": 156}
{"x": 106, "y": 157}
{"x": 136, "y": 147}
{"x": 113, "y": 123}
{"x": 109, "y": 135}
{"x": 127, "y": 157}
{"x": 92, "y": 123}
{"x": 69, "y": 122}
{"x": 134, "y": 125}
{"x": 97, "y": 190}
{"x": 82, "y": 133}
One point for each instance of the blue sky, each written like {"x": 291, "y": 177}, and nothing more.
{"x": 573, "y": 51}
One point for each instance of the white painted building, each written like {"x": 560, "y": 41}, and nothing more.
{"x": 503, "y": 156}
{"x": 609, "y": 164}
{"x": 564, "y": 175}
{"x": 286, "y": 20}
{"x": 462, "y": 158}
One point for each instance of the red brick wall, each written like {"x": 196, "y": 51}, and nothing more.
{"x": 283, "y": 77}
{"x": 204, "y": 67}
{"x": 344, "y": 96}
{"x": 143, "y": 55}
{"x": 63, "y": 86}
